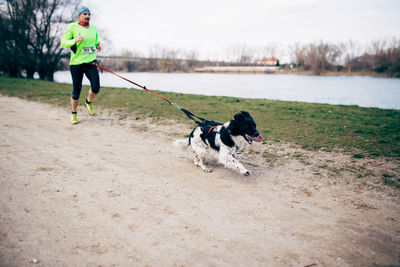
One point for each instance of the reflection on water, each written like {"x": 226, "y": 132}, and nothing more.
{"x": 353, "y": 90}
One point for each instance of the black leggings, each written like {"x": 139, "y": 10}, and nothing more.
{"x": 91, "y": 73}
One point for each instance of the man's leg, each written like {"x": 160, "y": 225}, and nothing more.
{"x": 91, "y": 95}
{"x": 74, "y": 105}
{"x": 93, "y": 75}
{"x": 77, "y": 76}
{"x": 88, "y": 102}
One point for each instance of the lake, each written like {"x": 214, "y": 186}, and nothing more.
{"x": 338, "y": 90}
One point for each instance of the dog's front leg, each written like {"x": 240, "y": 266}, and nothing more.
{"x": 230, "y": 162}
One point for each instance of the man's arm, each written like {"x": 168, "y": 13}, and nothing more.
{"x": 68, "y": 40}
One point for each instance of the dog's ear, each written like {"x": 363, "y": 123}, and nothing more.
{"x": 241, "y": 116}
{"x": 245, "y": 113}
{"x": 238, "y": 116}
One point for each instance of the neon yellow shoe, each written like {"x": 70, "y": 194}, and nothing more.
{"x": 74, "y": 119}
{"x": 90, "y": 109}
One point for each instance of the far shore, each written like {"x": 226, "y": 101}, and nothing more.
{"x": 283, "y": 71}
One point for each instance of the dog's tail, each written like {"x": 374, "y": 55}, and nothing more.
{"x": 183, "y": 143}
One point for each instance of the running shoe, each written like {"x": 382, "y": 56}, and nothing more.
{"x": 74, "y": 119}
{"x": 90, "y": 109}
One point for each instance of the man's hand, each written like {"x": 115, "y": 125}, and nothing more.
{"x": 98, "y": 47}
{"x": 79, "y": 38}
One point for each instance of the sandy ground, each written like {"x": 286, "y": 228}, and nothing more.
{"x": 114, "y": 192}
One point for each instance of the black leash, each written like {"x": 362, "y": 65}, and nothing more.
{"x": 189, "y": 114}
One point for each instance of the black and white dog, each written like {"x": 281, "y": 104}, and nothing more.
{"x": 225, "y": 139}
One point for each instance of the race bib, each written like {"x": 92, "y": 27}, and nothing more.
{"x": 88, "y": 50}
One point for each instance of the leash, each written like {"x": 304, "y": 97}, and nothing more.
{"x": 187, "y": 113}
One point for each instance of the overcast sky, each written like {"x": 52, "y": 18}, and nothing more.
{"x": 212, "y": 26}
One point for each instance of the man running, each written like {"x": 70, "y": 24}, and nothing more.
{"x": 83, "y": 40}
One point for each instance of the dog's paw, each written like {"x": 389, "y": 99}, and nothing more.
{"x": 207, "y": 170}
{"x": 245, "y": 173}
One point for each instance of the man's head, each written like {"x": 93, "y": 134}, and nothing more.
{"x": 84, "y": 14}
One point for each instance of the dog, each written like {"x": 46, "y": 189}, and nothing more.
{"x": 225, "y": 139}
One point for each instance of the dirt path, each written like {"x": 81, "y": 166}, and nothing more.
{"x": 106, "y": 193}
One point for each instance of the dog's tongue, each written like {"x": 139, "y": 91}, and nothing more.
{"x": 256, "y": 139}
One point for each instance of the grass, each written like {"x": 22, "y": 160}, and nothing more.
{"x": 365, "y": 132}
{"x": 390, "y": 179}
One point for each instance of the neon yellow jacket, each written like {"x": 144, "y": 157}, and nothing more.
{"x": 82, "y": 52}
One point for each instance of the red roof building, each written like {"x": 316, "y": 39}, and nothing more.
{"x": 268, "y": 61}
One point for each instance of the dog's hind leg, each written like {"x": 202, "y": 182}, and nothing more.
{"x": 196, "y": 160}
{"x": 200, "y": 150}
{"x": 200, "y": 162}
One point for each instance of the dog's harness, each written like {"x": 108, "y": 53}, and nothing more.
{"x": 212, "y": 128}
{"x": 206, "y": 128}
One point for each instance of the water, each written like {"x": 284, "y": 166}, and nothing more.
{"x": 352, "y": 90}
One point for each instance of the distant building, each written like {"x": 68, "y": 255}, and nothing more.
{"x": 268, "y": 61}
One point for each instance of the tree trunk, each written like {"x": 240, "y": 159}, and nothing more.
{"x": 50, "y": 76}
{"x": 14, "y": 72}
{"x": 30, "y": 73}
{"x": 46, "y": 75}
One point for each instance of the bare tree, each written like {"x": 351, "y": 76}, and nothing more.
{"x": 394, "y": 57}
{"x": 270, "y": 50}
{"x": 32, "y": 34}
{"x": 319, "y": 57}
{"x": 350, "y": 51}
{"x": 127, "y": 64}
{"x": 385, "y": 56}
{"x": 191, "y": 57}
{"x": 298, "y": 54}
{"x": 15, "y": 33}
{"x": 239, "y": 53}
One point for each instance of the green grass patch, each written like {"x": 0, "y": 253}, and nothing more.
{"x": 391, "y": 180}
{"x": 366, "y": 131}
